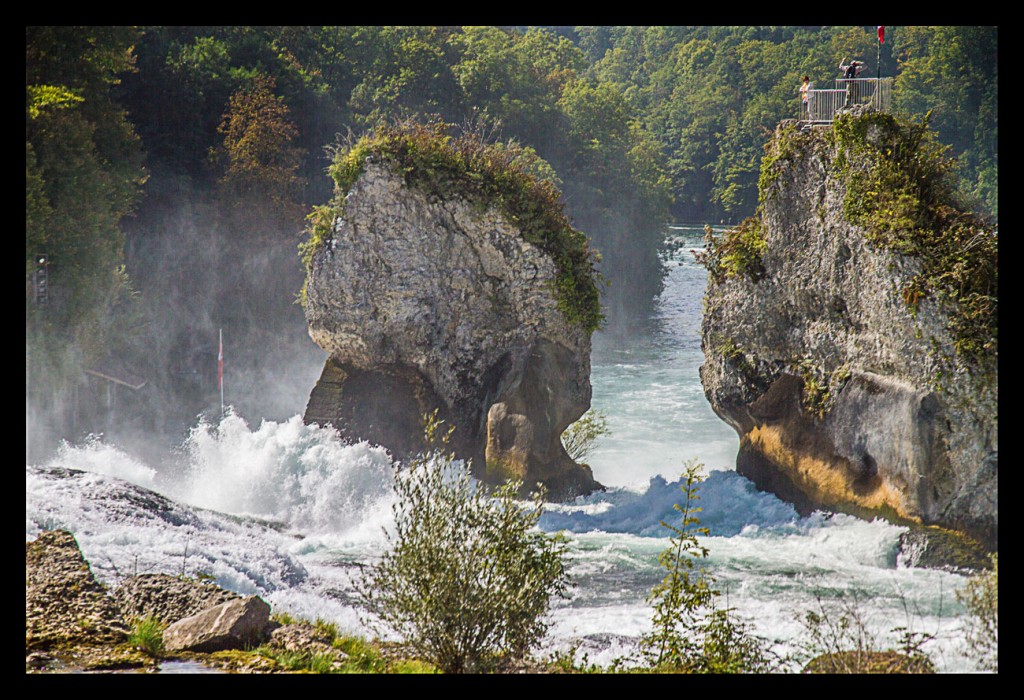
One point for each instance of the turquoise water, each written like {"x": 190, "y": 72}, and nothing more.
{"x": 289, "y": 512}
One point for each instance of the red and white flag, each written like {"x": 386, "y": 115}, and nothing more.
{"x": 881, "y": 35}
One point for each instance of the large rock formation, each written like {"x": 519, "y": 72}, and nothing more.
{"x": 242, "y": 623}
{"x": 844, "y": 383}
{"x": 426, "y": 302}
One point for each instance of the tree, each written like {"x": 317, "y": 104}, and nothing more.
{"x": 258, "y": 135}
{"x": 469, "y": 577}
{"x": 83, "y": 174}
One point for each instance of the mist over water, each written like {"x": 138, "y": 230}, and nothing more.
{"x": 291, "y": 512}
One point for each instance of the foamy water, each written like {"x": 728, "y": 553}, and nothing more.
{"x": 290, "y": 512}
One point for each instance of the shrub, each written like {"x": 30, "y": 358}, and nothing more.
{"x": 147, "y": 635}
{"x": 837, "y": 640}
{"x": 981, "y": 597}
{"x": 469, "y": 577}
{"x": 679, "y": 597}
{"x": 688, "y": 633}
{"x": 735, "y": 252}
{"x": 579, "y": 438}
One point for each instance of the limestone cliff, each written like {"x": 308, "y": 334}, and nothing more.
{"x": 426, "y": 301}
{"x": 833, "y": 348}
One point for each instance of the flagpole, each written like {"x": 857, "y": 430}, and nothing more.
{"x": 220, "y": 368}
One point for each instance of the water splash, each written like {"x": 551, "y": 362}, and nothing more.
{"x": 730, "y": 503}
{"x": 298, "y": 474}
{"x": 93, "y": 455}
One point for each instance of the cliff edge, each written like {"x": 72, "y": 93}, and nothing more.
{"x": 428, "y": 294}
{"x": 849, "y": 330}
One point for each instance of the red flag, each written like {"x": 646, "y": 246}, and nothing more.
{"x": 881, "y": 35}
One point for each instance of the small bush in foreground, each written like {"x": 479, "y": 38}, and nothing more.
{"x": 981, "y": 596}
{"x": 147, "y": 636}
{"x": 838, "y": 640}
{"x": 688, "y": 634}
{"x": 469, "y": 577}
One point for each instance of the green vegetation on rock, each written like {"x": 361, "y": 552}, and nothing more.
{"x": 147, "y": 635}
{"x": 503, "y": 175}
{"x": 900, "y": 189}
{"x": 734, "y": 253}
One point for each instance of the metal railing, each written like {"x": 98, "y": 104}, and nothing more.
{"x": 823, "y": 105}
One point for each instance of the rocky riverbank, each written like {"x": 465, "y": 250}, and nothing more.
{"x": 162, "y": 623}
{"x": 75, "y": 624}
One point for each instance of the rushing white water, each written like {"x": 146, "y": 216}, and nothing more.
{"x": 290, "y": 512}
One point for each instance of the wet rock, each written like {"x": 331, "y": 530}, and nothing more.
{"x": 168, "y": 598}
{"x": 64, "y": 603}
{"x": 236, "y": 624}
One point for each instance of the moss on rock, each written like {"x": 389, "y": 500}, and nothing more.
{"x": 487, "y": 174}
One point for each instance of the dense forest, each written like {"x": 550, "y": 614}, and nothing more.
{"x": 170, "y": 170}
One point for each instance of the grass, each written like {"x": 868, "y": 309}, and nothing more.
{"x": 147, "y": 636}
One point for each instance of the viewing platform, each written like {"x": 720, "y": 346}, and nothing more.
{"x": 824, "y": 105}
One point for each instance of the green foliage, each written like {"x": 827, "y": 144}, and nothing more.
{"x": 259, "y": 156}
{"x": 780, "y": 152}
{"x": 734, "y": 253}
{"x": 571, "y": 661}
{"x": 981, "y": 598}
{"x": 319, "y": 230}
{"x": 357, "y": 654}
{"x": 710, "y": 95}
{"x": 42, "y": 97}
{"x": 83, "y": 173}
{"x": 300, "y": 661}
{"x": 688, "y": 634}
{"x": 363, "y": 657}
{"x": 283, "y": 618}
{"x": 488, "y": 174}
{"x": 580, "y": 437}
{"x": 681, "y": 595}
{"x": 147, "y": 635}
{"x": 900, "y": 190}
{"x": 952, "y": 72}
{"x": 729, "y": 646}
{"x": 468, "y": 578}
{"x": 820, "y": 387}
